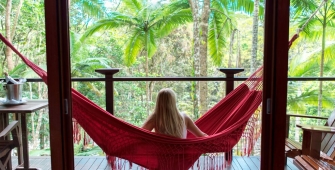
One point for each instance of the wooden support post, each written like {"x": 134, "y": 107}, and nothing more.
{"x": 109, "y": 86}
{"x": 312, "y": 139}
{"x": 288, "y": 118}
{"x": 230, "y": 72}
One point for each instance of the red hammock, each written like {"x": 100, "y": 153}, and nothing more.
{"x": 224, "y": 123}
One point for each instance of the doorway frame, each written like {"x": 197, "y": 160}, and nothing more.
{"x": 59, "y": 83}
{"x": 274, "y": 87}
{"x": 276, "y": 38}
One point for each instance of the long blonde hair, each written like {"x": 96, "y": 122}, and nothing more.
{"x": 166, "y": 115}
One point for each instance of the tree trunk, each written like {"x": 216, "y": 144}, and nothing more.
{"x": 203, "y": 56}
{"x": 322, "y": 59}
{"x": 200, "y": 32}
{"x": 147, "y": 88}
{"x": 231, "y": 48}
{"x": 196, "y": 54}
{"x": 36, "y": 128}
{"x": 8, "y": 51}
{"x": 238, "y": 57}
{"x": 254, "y": 37}
{"x": 42, "y": 137}
{"x": 10, "y": 31}
{"x": 17, "y": 14}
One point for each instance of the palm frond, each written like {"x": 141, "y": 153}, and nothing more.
{"x": 329, "y": 52}
{"x": 151, "y": 44}
{"x": 246, "y": 6}
{"x": 115, "y": 21}
{"x": 171, "y": 21}
{"x": 133, "y": 46}
{"x": 306, "y": 65}
{"x": 218, "y": 27}
{"x": 301, "y": 96}
{"x": 133, "y": 5}
{"x": 75, "y": 43}
{"x": 22, "y": 71}
{"x": 327, "y": 101}
{"x": 19, "y": 70}
{"x": 174, "y": 6}
{"x": 94, "y": 8}
{"x": 301, "y": 6}
{"x": 88, "y": 65}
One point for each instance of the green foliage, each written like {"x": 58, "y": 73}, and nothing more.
{"x": 146, "y": 24}
{"x": 219, "y": 28}
{"x": 88, "y": 151}
{"x": 40, "y": 152}
{"x": 92, "y": 8}
{"x": 127, "y": 34}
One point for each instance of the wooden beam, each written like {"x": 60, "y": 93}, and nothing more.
{"x": 275, "y": 84}
{"x": 59, "y": 83}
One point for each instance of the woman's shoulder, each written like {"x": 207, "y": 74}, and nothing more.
{"x": 185, "y": 116}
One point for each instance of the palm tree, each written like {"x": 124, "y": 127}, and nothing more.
{"x": 303, "y": 97}
{"x": 257, "y": 13}
{"x": 146, "y": 24}
{"x": 10, "y": 28}
{"x": 212, "y": 24}
{"x": 92, "y": 8}
{"x": 84, "y": 65}
{"x": 315, "y": 18}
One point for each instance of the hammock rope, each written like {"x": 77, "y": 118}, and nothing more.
{"x": 224, "y": 123}
{"x": 296, "y": 35}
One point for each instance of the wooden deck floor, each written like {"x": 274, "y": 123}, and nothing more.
{"x": 100, "y": 163}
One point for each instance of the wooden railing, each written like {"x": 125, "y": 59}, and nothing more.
{"x": 288, "y": 120}
{"x": 109, "y": 79}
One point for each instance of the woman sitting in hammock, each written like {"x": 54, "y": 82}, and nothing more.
{"x": 166, "y": 118}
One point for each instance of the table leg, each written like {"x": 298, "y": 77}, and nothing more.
{"x": 311, "y": 144}
{"x": 2, "y": 122}
{"x": 20, "y": 149}
{"x": 25, "y": 145}
{"x": 25, "y": 141}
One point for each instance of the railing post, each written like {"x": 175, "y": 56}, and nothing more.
{"x": 288, "y": 118}
{"x": 230, "y": 72}
{"x": 109, "y": 86}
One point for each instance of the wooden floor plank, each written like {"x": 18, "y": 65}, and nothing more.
{"x": 35, "y": 162}
{"x": 97, "y": 163}
{"x": 236, "y": 164}
{"x": 88, "y": 164}
{"x": 250, "y": 163}
{"x": 256, "y": 161}
{"x": 81, "y": 163}
{"x": 77, "y": 160}
{"x": 242, "y": 163}
{"x": 15, "y": 162}
{"x": 229, "y": 166}
{"x": 290, "y": 165}
{"x": 48, "y": 164}
{"x": 100, "y": 163}
{"x": 103, "y": 165}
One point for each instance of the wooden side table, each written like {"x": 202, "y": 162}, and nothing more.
{"x": 20, "y": 112}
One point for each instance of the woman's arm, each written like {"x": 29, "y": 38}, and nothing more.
{"x": 148, "y": 124}
{"x": 192, "y": 127}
